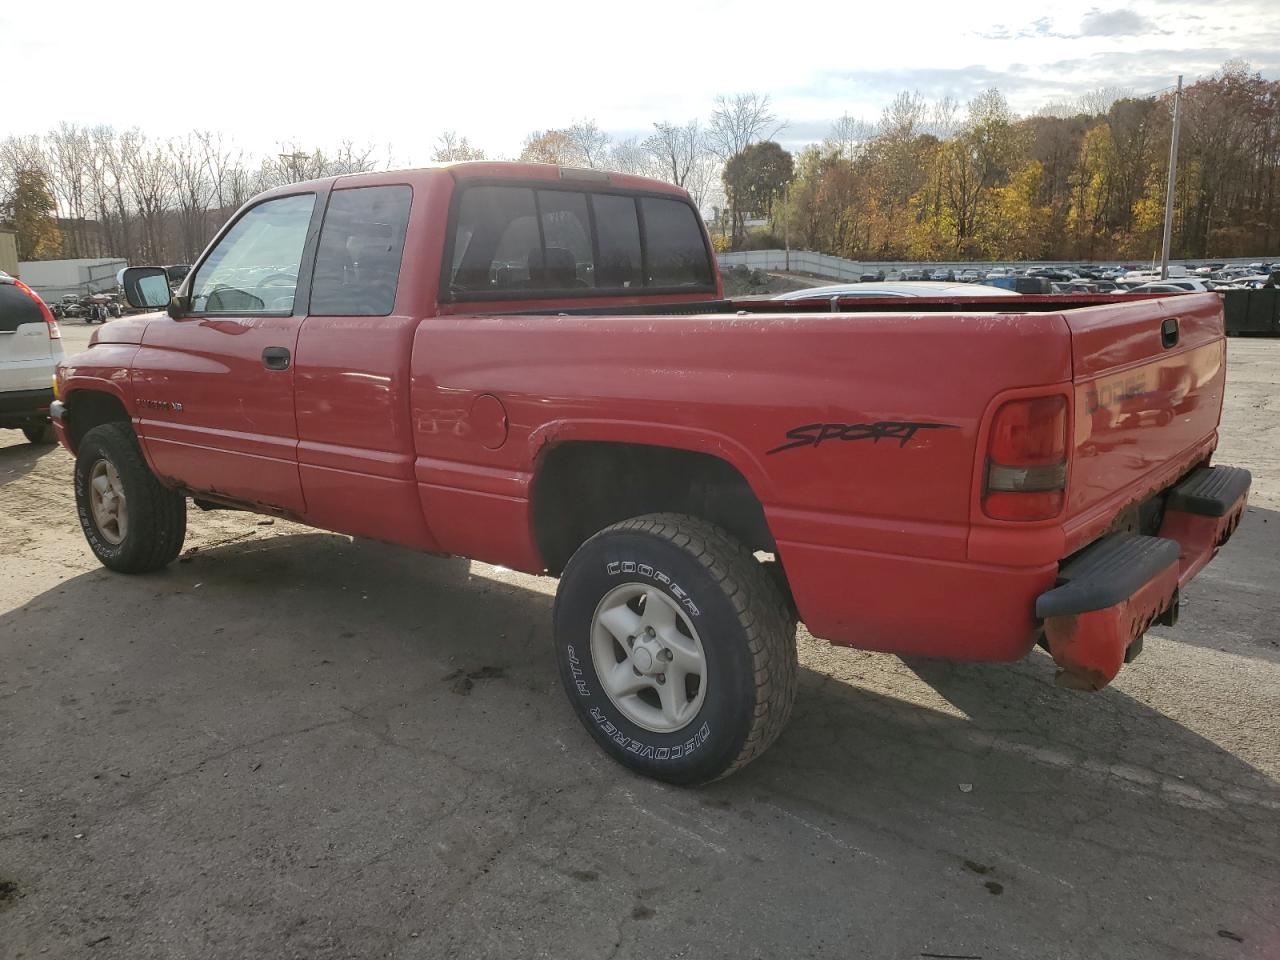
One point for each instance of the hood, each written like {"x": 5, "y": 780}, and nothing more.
{"x": 124, "y": 330}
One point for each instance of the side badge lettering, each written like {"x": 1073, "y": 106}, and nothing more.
{"x": 816, "y": 434}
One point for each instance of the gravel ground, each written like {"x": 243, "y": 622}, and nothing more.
{"x": 294, "y": 745}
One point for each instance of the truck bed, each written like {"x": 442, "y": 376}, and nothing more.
{"x": 1027, "y": 303}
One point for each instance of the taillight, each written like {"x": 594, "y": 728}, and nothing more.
{"x": 49, "y": 319}
{"x": 1026, "y": 475}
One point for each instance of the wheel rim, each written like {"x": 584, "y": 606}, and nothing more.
{"x": 648, "y": 657}
{"x": 106, "y": 499}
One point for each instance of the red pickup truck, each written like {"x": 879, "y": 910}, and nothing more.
{"x": 534, "y": 366}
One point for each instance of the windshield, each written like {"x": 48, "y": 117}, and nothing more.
{"x": 254, "y": 267}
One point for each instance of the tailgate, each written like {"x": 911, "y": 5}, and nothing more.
{"x": 1148, "y": 391}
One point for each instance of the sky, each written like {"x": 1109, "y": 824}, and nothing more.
{"x": 396, "y": 75}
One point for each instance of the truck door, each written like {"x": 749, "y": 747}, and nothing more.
{"x": 215, "y": 387}
{"x": 355, "y": 450}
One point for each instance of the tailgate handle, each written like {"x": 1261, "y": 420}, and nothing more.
{"x": 1169, "y": 333}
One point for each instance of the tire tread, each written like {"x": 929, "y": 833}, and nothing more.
{"x": 158, "y": 515}
{"x": 762, "y": 611}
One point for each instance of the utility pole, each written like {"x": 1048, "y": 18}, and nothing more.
{"x": 1173, "y": 179}
{"x": 786, "y": 223}
{"x": 293, "y": 164}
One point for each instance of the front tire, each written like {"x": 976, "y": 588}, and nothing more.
{"x": 675, "y": 647}
{"x": 134, "y": 524}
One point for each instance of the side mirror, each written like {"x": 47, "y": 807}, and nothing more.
{"x": 146, "y": 287}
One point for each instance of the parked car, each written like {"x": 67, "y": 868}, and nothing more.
{"x": 1052, "y": 275}
{"x": 913, "y": 288}
{"x": 1159, "y": 288}
{"x": 1021, "y": 284}
{"x": 30, "y": 346}
{"x": 942, "y": 275}
{"x": 969, "y": 276}
{"x": 1178, "y": 285}
{"x": 494, "y": 360}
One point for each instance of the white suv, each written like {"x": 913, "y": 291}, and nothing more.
{"x": 30, "y": 347}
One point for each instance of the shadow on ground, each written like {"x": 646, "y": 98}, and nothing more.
{"x": 298, "y": 745}
{"x": 17, "y": 459}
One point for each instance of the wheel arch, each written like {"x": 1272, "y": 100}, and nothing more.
{"x": 582, "y": 485}
{"x": 89, "y": 406}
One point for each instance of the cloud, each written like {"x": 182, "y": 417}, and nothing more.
{"x": 1114, "y": 23}
{"x": 1042, "y": 27}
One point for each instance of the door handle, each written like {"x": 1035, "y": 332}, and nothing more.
{"x": 275, "y": 358}
{"x": 1169, "y": 333}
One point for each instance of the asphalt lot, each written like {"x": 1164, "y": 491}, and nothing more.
{"x": 294, "y": 745}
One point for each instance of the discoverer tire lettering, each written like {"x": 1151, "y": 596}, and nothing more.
{"x": 733, "y": 607}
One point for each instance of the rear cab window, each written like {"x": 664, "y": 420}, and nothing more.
{"x": 511, "y": 241}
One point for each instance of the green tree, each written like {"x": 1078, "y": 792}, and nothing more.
{"x": 754, "y": 181}
{"x": 34, "y": 214}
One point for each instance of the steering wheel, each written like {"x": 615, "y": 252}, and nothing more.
{"x": 291, "y": 277}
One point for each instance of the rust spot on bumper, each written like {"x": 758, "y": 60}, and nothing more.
{"x": 1090, "y": 647}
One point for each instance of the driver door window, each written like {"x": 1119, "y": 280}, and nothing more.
{"x": 254, "y": 267}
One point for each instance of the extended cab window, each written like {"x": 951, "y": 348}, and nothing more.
{"x": 677, "y": 256}
{"x": 618, "y": 231}
{"x": 254, "y": 267}
{"x": 361, "y": 244}
{"x": 508, "y": 240}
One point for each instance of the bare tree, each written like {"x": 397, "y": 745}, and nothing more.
{"x": 676, "y": 149}
{"x": 193, "y": 192}
{"x": 848, "y": 136}
{"x": 632, "y": 156}
{"x": 591, "y": 143}
{"x": 451, "y": 148}
{"x": 1097, "y": 103}
{"x": 904, "y": 117}
{"x": 151, "y": 189}
{"x": 225, "y": 168}
{"x": 943, "y": 119}
{"x": 739, "y": 121}
{"x": 66, "y": 169}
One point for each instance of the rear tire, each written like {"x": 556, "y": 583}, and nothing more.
{"x": 41, "y": 433}
{"x": 134, "y": 524}
{"x": 693, "y": 639}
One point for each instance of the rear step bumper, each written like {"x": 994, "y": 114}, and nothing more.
{"x": 1112, "y": 591}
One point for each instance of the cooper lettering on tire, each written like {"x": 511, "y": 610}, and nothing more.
{"x": 676, "y": 648}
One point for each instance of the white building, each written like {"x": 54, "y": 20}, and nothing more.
{"x": 54, "y": 279}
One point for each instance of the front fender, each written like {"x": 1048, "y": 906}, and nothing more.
{"x": 104, "y": 369}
